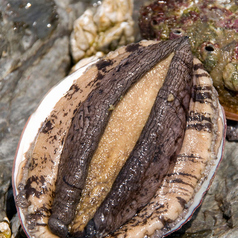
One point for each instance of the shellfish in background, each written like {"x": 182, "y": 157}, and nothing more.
{"x": 102, "y": 29}
{"x": 212, "y": 29}
{"x": 125, "y": 146}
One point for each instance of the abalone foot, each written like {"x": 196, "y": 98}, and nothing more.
{"x": 78, "y": 235}
{"x": 58, "y": 227}
{"x": 88, "y": 232}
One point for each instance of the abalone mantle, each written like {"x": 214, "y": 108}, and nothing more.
{"x": 35, "y": 172}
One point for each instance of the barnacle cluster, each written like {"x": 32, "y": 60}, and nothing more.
{"x": 212, "y": 29}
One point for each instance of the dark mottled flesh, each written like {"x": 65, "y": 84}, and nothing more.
{"x": 36, "y": 167}
{"x": 156, "y": 149}
{"x": 118, "y": 140}
{"x": 89, "y": 123}
{"x": 185, "y": 183}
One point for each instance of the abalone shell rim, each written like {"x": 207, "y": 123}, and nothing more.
{"x": 33, "y": 125}
{"x": 199, "y": 196}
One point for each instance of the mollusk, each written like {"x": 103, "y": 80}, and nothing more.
{"x": 212, "y": 30}
{"x": 99, "y": 30}
{"x": 138, "y": 132}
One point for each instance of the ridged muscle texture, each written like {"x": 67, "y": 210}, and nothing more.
{"x": 91, "y": 119}
{"x": 155, "y": 151}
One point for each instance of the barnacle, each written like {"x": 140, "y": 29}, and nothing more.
{"x": 212, "y": 29}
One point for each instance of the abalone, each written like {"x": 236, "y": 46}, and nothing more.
{"x": 136, "y": 135}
